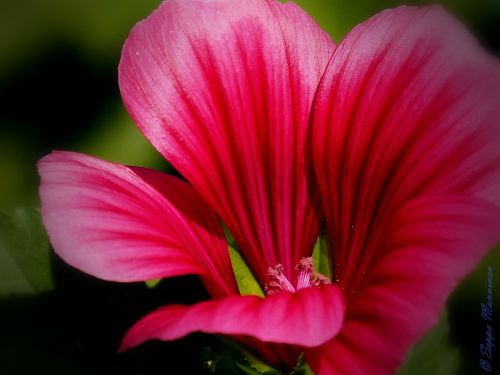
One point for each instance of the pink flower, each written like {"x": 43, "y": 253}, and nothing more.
{"x": 392, "y": 137}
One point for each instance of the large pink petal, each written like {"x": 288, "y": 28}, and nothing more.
{"x": 223, "y": 90}
{"x": 409, "y": 106}
{"x": 129, "y": 224}
{"x": 429, "y": 246}
{"x": 307, "y": 318}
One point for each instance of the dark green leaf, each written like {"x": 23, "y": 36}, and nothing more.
{"x": 23, "y": 238}
{"x": 433, "y": 354}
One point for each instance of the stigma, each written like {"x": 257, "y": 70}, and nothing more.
{"x": 306, "y": 278}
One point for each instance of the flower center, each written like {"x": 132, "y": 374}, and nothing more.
{"x": 306, "y": 278}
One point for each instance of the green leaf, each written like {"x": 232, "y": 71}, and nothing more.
{"x": 247, "y": 283}
{"x": 23, "y": 238}
{"x": 322, "y": 255}
{"x": 433, "y": 354}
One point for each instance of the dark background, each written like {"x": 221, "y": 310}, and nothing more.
{"x": 58, "y": 90}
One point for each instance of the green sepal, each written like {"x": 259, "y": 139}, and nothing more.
{"x": 322, "y": 255}
{"x": 225, "y": 356}
{"x": 152, "y": 283}
{"x": 247, "y": 283}
{"x": 229, "y": 237}
{"x": 302, "y": 367}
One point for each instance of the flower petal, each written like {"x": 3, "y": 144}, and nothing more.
{"x": 130, "y": 224}
{"x": 409, "y": 106}
{"x": 223, "y": 90}
{"x": 430, "y": 245}
{"x": 307, "y": 318}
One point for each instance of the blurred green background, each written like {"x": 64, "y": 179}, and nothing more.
{"x": 58, "y": 90}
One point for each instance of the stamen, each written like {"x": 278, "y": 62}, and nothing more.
{"x": 306, "y": 278}
{"x": 319, "y": 280}
{"x": 306, "y": 271}
{"x": 305, "y": 264}
{"x": 277, "y": 281}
